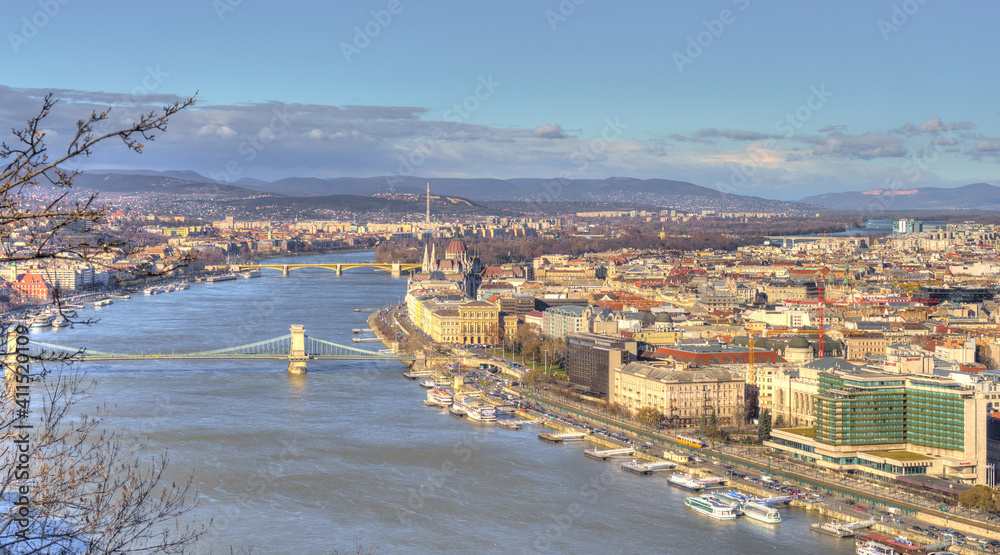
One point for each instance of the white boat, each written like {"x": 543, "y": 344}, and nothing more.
{"x": 686, "y": 481}
{"x": 762, "y": 512}
{"x": 728, "y": 499}
{"x": 250, "y": 274}
{"x": 182, "y": 286}
{"x": 121, "y": 296}
{"x": 60, "y": 322}
{"x": 103, "y": 302}
{"x": 440, "y": 397}
{"x": 476, "y": 409}
{"x": 215, "y": 279}
{"x": 428, "y": 383}
{"x": 509, "y": 424}
{"x": 710, "y": 507}
{"x": 42, "y": 321}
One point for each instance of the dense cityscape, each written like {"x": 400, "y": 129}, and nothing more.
{"x": 518, "y": 277}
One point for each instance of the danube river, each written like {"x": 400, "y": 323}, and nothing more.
{"x": 302, "y": 464}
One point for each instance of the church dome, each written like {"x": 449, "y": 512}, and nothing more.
{"x": 799, "y": 342}
{"x": 456, "y": 247}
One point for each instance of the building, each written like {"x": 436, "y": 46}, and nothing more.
{"x": 591, "y": 357}
{"x": 888, "y": 426}
{"x": 862, "y": 345}
{"x": 558, "y": 322}
{"x": 684, "y": 397}
{"x": 32, "y": 285}
{"x": 479, "y": 323}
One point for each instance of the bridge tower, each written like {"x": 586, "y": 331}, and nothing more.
{"x": 284, "y": 269}
{"x": 297, "y": 354}
{"x": 340, "y": 269}
{"x": 396, "y": 272}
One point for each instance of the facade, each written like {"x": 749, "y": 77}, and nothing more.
{"x": 684, "y": 397}
{"x": 861, "y": 346}
{"x": 590, "y": 358}
{"x": 479, "y": 323}
{"x": 32, "y": 285}
{"x": 558, "y": 322}
{"x": 887, "y": 426}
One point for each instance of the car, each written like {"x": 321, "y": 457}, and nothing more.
{"x": 859, "y": 507}
{"x": 918, "y": 529}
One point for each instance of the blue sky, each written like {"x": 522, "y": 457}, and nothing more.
{"x": 778, "y": 99}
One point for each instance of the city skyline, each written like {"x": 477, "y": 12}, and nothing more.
{"x": 768, "y": 100}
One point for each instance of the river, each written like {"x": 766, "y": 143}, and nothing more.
{"x": 303, "y": 464}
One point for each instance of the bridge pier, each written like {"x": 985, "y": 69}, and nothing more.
{"x": 284, "y": 269}
{"x": 297, "y": 353}
{"x": 396, "y": 272}
{"x": 339, "y": 270}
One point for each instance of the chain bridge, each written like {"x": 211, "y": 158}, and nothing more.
{"x": 296, "y": 347}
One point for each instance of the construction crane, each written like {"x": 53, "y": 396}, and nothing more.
{"x": 821, "y": 303}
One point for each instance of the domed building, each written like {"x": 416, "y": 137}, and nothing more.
{"x": 799, "y": 350}
{"x": 456, "y": 251}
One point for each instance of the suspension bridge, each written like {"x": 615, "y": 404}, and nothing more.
{"x": 296, "y": 347}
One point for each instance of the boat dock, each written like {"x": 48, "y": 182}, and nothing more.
{"x": 603, "y": 455}
{"x": 359, "y": 330}
{"x": 842, "y": 529}
{"x": 644, "y": 468}
{"x": 552, "y": 437}
{"x": 770, "y": 500}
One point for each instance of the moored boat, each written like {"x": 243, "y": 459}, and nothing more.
{"x": 440, "y": 397}
{"x": 870, "y": 543}
{"x": 457, "y": 412}
{"x": 686, "y": 481}
{"x": 725, "y": 497}
{"x": 427, "y": 384}
{"x": 103, "y": 302}
{"x": 60, "y": 322}
{"x": 476, "y": 409}
{"x": 509, "y": 424}
{"x": 762, "y": 512}
{"x": 710, "y": 507}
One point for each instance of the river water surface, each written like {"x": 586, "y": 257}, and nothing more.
{"x": 303, "y": 464}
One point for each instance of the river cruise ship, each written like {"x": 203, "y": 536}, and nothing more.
{"x": 762, "y": 512}
{"x": 686, "y": 481}
{"x": 710, "y": 507}
{"x": 477, "y": 409}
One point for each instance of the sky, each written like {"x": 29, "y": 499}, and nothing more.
{"x": 780, "y": 99}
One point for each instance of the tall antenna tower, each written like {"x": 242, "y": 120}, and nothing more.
{"x": 428, "y": 202}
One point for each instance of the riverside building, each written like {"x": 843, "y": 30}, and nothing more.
{"x": 889, "y": 426}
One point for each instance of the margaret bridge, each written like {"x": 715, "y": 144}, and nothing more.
{"x": 395, "y": 268}
{"x": 296, "y": 347}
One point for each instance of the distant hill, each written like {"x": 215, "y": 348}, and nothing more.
{"x": 357, "y": 204}
{"x": 617, "y": 191}
{"x": 977, "y": 196}
{"x": 652, "y": 192}
{"x": 119, "y": 184}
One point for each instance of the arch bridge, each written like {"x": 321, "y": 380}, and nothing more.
{"x": 395, "y": 268}
{"x": 296, "y": 347}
